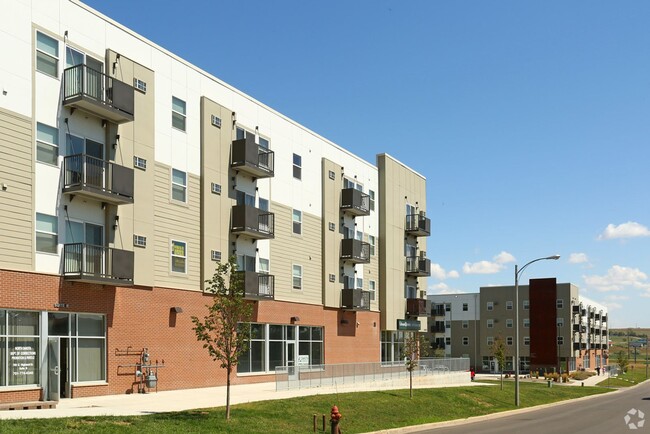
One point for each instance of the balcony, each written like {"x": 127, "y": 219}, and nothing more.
{"x": 418, "y": 266}
{"x": 249, "y": 157}
{"x": 355, "y": 202}
{"x": 98, "y": 94}
{"x": 416, "y": 307}
{"x": 257, "y": 286}
{"x": 438, "y": 311}
{"x": 355, "y": 299}
{"x": 438, "y": 328}
{"x": 97, "y": 264}
{"x": 97, "y": 179}
{"x": 252, "y": 222}
{"x": 579, "y": 346}
{"x": 355, "y": 251}
{"x": 418, "y": 225}
{"x": 579, "y": 328}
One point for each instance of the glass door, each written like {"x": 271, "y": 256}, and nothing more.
{"x": 94, "y": 237}
{"x": 53, "y": 369}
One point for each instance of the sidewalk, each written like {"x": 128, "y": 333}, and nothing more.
{"x": 179, "y": 400}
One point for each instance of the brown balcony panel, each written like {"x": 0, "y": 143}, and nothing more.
{"x": 258, "y": 286}
{"x": 416, "y": 307}
{"x": 355, "y": 202}
{"x": 355, "y": 299}
{"x": 418, "y": 225}
{"x": 252, "y": 222}
{"x": 418, "y": 266}
{"x": 97, "y": 179}
{"x": 97, "y": 264}
{"x": 355, "y": 251}
{"x": 98, "y": 94}
{"x": 249, "y": 157}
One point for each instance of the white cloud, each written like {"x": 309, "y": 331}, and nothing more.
{"x": 615, "y": 297}
{"x": 618, "y": 278}
{"x": 442, "y": 288}
{"x": 624, "y": 230}
{"x": 610, "y": 305}
{"x": 504, "y": 258}
{"x": 489, "y": 267}
{"x": 437, "y": 272}
{"x": 578, "y": 258}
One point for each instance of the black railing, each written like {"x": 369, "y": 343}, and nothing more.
{"x": 87, "y": 262}
{"x": 250, "y": 157}
{"x": 418, "y": 266}
{"x": 100, "y": 178}
{"x": 252, "y": 221}
{"x": 258, "y": 285}
{"x": 416, "y": 306}
{"x": 355, "y": 251}
{"x": 438, "y": 311}
{"x": 418, "y": 224}
{"x": 355, "y": 201}
{"x": 355, "y": 299}
{"x": 82, "y": 82}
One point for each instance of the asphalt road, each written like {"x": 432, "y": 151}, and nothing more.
{"x": 601, "y": 414}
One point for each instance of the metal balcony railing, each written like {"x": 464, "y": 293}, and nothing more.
{"x": 97, "y": 264}
{"x": 355, "y": 202}
{"x": 258, "y": 286}
{"x": 416, "y": 307}
{"x": 418, "y": 266}
{"x": 98, "y": 179}
{"x": 355, "y": 299}
{"x": 355, "y": 251}
{"x": 98, "y": 94}
{"x": 253, "y": 222}
{"x": 249, "y": 157}
{"x": 418, "y": 225}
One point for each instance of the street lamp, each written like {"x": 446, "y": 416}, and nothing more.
{"x": 518, "y": 271}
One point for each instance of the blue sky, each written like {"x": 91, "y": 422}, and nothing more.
{"x": 530, "y": 120}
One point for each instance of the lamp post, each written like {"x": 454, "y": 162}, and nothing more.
{"x": 518, "y": 271}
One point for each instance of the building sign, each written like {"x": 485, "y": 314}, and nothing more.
{"x": 408, "y": 324}
{"x": 303, "y": 360}
{"x": 22, "y": 361}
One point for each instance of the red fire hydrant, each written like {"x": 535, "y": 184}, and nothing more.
{"x": 335, "y": 417}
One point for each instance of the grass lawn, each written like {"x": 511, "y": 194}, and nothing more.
{"x": 634, "y": 375}
{"x": 362, "y": 412}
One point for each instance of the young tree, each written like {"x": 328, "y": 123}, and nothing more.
{"x": 415, "y": 347}
{"x": 221, "y": 329}
{"x": 622, "y": 361}
{"x": 499, "y": 351}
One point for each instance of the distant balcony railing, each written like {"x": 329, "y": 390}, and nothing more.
{"x": 418, "y": 225}
{"x": 253, "y": 222}
{"x": 416, "y": 307}
{"x": 258, "y": 286}
{"x": 355, "y": 251}
{"x": 99, "y": 179}
{"x": 355, "y": 299}
{"x": 249, "y": 157}
{"x": 97, "y": 264}
{"x": 418, "y": 266}
{"x": 355, "y": 202}
{"x": 98, "y": 94}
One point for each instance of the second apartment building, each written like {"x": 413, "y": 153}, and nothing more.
{"x": 127, "y": 173}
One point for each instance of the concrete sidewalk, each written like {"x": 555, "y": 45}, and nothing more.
{"x": 179, "y": 400}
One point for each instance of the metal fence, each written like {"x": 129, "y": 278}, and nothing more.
{"x": 306, "y": 376}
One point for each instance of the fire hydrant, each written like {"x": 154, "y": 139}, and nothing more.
{"x": 335, "y": 417}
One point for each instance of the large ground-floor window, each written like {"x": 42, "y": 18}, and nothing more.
{"x": 19, "y": 347}
{"x": 392, "y": 346}
{"x": 273, "y": 345}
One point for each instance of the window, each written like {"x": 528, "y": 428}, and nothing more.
{"x": 447, "y": 307}
{"x": 559, "y": 303}
{"x": 465, "y": 307}
{"x": 465, "y": 340}
{"x": 371, "y": 194}
{"x": 526, "y": 304}
{"x": 372, "y": 241}
{"x": 47, "y": 55}
{"x": 509, "y": 305}
{"x": 47, "y": 144}
{"x": 179, "y": 185}
{"x": 263, "y": 204}
{"x": 465, "y": 324}
{"x": 409, "y": 291}
{"x": 359, "y": 283}
{"x": 526, "y": 340}
{"x": 297, "y": 166}
{"x": 245, "y": 263}
{"x": 19, "y": 346}
{"x": 47, "y": 229}
{"x": 297, "y": 222}
{"x": 244, "y": 198}
{"x": 526, "y": 322}
{"x": 490, "y": 340}
{"x": 179, "y": 256}
{"x": 447, "y": 324}
{"x": 560, "y": 340}
{"x": 560, "y": 322}
{"x": 447, "y": 341}
{"x": 490, "y": 305}
{"x": 372, "y": 288}
{"x": 178, "y": 113}
{"x": 297, "y": 277}
{"x": 509, "y": 340}
{"x": 490, "y": 323}
{"x": 264, "y": 266}
{"x": 509, "y": 323}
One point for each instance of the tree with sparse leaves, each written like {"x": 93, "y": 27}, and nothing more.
{"x": 415, "y": 347}
{"x": 499, "y": 351}
{"x": 221, "y": 329}
{"x": 622, "y": 361}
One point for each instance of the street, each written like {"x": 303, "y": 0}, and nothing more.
{"x": 600, "y": 414}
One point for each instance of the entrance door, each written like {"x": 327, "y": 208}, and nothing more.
{"x": 94, "y": 238}
{"x": 53, "y": 369}
{"x": 292, "y": 371}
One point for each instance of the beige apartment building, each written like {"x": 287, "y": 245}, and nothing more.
{"x": 559, "y": 329}
{"x": 127, "y": 173}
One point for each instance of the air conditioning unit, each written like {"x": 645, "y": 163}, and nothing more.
{"x": 423, "y": 254}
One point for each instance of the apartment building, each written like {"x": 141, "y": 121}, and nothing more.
{"x": 128, "y": 173}
{"x": 559, "y": 329}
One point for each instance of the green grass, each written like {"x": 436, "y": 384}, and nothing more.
{"x": 634, "y": 375}
{"x": 362, "y": 412}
